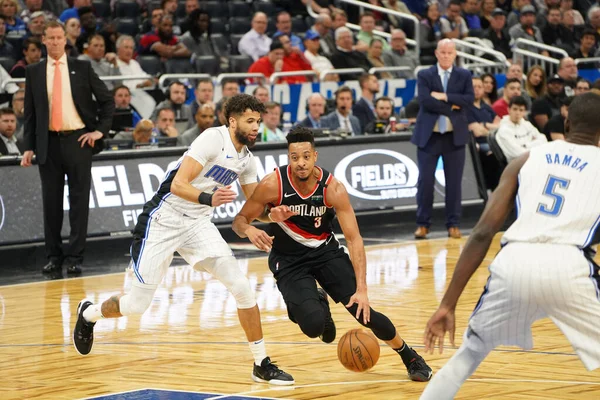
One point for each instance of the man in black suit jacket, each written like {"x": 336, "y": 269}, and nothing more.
{"x": 63, "y": 124}
{"x": 364, "y": 109}
{"x": 345, "y": 57}
{"x": 9, "y": 143}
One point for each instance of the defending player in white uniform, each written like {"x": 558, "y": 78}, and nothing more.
{"x": 178, "y": 218}
{"x": 545, "y": 267}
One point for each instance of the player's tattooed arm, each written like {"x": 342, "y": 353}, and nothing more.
{"x": 110, "y": 308}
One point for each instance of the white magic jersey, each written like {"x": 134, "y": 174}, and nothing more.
{"x": 222, "y": 165}
{"x": 558, "y": 199}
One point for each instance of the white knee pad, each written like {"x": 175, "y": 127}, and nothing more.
{"x": 226, "y": 270}
{"x": 138, "y": 299}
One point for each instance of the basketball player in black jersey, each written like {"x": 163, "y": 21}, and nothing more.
{"x": 304, "y": 199}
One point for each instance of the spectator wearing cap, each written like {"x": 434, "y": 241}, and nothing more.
{"x": 400, "y": 56}
{"x": 586, "y": 49}
{"x": 512, "y": 17}
{"x": 526, "y": 29}
{"x": 497, "y": 33}
{"x": 312, "y": 45}
{"x": 555, "y": 34}
{"x": 555, "y": 128}
{"x": 548, "y": 105}
{"x": 284, "y": 27}
{"x": 365, "y": 35}
{"x": 73, "y": 11}
{"x": 567, "y": 70}
{"x": 255, "y": 43}
{"x": 272, "y": 62}
{"x": 345, "y": 56}
{"x": 452, "y": 24}
{"x": 33, "y": 6}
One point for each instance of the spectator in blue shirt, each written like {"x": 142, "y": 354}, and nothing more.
{"x": 14, "y": 25}
{"x": 72, "y": 12}
{"x": 284, "y": 27}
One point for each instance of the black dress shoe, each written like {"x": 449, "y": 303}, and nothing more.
{"x": 51, "y": 267}
{"x": 74, "y": 269}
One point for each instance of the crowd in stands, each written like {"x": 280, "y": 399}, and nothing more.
{"x": 149, "y": 38}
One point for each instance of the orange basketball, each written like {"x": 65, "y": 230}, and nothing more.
{"x": 358, "y": 350}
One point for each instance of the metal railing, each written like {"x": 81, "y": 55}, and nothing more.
{"x": 103, "y": 78}
{"x": 479, "y": 65}
{"x": 341, "y": 71}
{"x": 479, "y": 49}
{"x": 415, "y": 21}
{"x": 241, "y": 75}
{"x": 376, "y": 70}
{"x": 164, "y": 77}
{"x": 276, "y": 75}
{"x": 587, "y": 60}
{"x": 524, "y": 52}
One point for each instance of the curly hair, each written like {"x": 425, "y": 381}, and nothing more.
{"x": 238, "y": 104}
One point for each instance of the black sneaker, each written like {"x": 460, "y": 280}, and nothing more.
{"x": 83, "y": 334}
{"x": 329, "y": 332}
{"x": 268, "y": 372}
{"x": 418, "y": 370}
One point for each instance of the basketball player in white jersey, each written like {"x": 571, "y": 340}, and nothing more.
{"x": 178, "y": 218}
{"x": 545, "y": 267}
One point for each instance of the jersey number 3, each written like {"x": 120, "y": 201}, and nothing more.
{"x": 552, "y": 185}
{"x": 317, "y": 222}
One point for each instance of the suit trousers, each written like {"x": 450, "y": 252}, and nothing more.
{"x": 66, "y": 157}
{"x": 453, "y": 158}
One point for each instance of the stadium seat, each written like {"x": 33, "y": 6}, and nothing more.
{"x": 218, "y": 25}
{"x": 240, "y": 9}
{"x": 7, "y": 63}
{"x": 152, "y": 5}
{"x": 220, "y": 43}
{"x": 299, "y": 25}
{"x": 233, "y": 44}
{"x": 101, "y": 9}
{"x": 179, "y": 66}
{"x": 267, "y": 8}
{"x": 207, "y": 65}
{"x": 151, "y": 64}
{"x": 216, "y": 9}
{"x": 239, "y": 63}
{"x": 180, "y": 12}
{"x": 271, "y": 27}
{"x": 127, "y": 26}
{"x": 127, "y": 9}
{"x": 239, "y": 25}
{"x": 496, "y": 149}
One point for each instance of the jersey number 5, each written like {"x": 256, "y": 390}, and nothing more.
{"x": 317, "y": 222}
{"x": 552, "y": 185}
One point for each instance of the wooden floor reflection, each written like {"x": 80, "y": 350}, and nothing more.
{"x": 190, "y": 338}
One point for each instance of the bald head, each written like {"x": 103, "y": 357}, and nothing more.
{"x": 445, "y": 53}
{"x": 316, "y": 106}
{"x": 398, "y": 40}
{"x": 259, "y": 22}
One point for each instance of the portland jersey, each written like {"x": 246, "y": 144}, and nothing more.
{"x": 312, "y": 227}
{"x": 558, "y": 199}
{"x": 222, "y": 165}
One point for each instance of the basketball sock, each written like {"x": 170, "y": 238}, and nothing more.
{"x": 258, "y": 351}
{"x": 448, "y": 380}
{"x": 93, "y": 313}
{"x": 406, "y": 353}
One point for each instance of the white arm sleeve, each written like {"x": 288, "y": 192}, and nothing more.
{"x": 248, "y": 176}
{"x": 206, "y": 147}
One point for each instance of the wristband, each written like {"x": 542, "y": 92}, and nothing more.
{"x": 205, "y": 198}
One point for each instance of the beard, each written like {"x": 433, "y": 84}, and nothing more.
{"x": 243, "y": 138}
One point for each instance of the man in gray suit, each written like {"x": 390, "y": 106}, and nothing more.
{"x": 342, "y": 119}
{"x": 205, "y": 118}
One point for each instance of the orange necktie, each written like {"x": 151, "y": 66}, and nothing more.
{"x": 56, "y": 118}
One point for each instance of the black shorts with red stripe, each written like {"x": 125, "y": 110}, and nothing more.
{"x": 328, "y": 264}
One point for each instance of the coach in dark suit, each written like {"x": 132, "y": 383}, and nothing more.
{"x": 63, "y": 123}
{"x": 445, "y": 93}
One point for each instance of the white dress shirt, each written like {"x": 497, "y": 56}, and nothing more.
{"x": 254, "y": 44}
{"x": 11, "y": 144}
{"x": 345, "y": 122}
{"x": 441, "y": 73}
{"x": 133, "y": 68}
{"x": 317, "y": 62}
{"x": 70, "y": 117}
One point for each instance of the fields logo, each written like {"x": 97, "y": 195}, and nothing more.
{"x": 378, "y": 174}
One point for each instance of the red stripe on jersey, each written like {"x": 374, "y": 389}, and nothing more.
{"x": 303, "y": 197}
{"x": 305, "y": 234}
{"x": 279, "y": 187}
{"x": 327, "y": 182}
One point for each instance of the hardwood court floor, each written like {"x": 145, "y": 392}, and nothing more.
{"x": 190, "y": 339}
